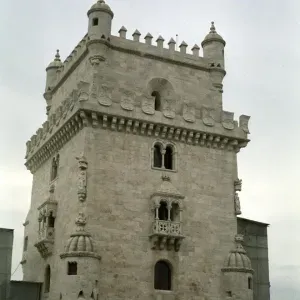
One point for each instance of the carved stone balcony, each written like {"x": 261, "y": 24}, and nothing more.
{"x": 45, "y": 241}
{"x": 166, "y": 234}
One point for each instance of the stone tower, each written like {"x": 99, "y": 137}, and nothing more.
{"x": 134, "y": 192}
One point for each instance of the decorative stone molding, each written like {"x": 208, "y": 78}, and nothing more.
{"x": 243, "y": 121}
{"x": 237, "y": 204}
{"x": 208, "y": 116}
{"x": 82, "y": 178}
{"x": 167, "y": 233}
{"x": 189, "y": 113}
{"x": 227, "y": 120}
{"x": 148, "y": 105}
{"x": 82, "y": 118}
{"x": 237, "y": 185}
{"x": 80, "y": 243}
{"x": 237, "y": 188}
{"x": 127, "y": 100}
{"x": 105, "y": 95}
{"x": 46, "y": 232}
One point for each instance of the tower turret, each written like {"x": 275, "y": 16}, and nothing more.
{"x": 81, "y": 259}
{"x": 51, "y": 77}
{"x": 213, "y": 47}
{"x": 238, "y": 273}
{"x": 100, "y": 19}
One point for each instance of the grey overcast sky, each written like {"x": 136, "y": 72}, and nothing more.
{"x": 262, "y": 62}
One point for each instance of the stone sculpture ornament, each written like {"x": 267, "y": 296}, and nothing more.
{"x": 237, "y": 204}
{"x": 127, "y": 100}
{"x": 244, "y": 120}
{"x": 169, "y": 108}
{"x": 82, "y": 184}
{"x": 148, "y": 105}
{"x": 208, "y": 116}
{"x": 189, "y": 113}
{"x": 227, "y": 120}
{"x": 105, "y": 95}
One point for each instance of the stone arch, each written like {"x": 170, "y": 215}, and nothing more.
{"x": 162, "y": 92}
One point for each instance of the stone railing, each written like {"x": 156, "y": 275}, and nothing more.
{"x": 167, "y": 228}
{"x": 166, "y": 234}
{"x": 46, "y": 233}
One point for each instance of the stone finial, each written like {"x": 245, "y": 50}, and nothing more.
{"x": 160, "y": 42}
{"x": 172, "y": 44}
{"x": 136, "y": 36}
{"x": 212, "y": 28}
{"x": 183, "y": 47}
{"x": 122, "y": 32}
{"x": 80, "y": 221}
{"x": 148, "y": 39}
{"x": 57, "y": 55}
{"x": 196, "y": 50}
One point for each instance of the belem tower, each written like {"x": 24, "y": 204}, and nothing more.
{"x": 135, "y": 191}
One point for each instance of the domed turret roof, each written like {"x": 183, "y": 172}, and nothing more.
{"x": 213, "y": 36}
{"x": 80, "y": 243}
{"x": 237, "y": 259}
{"x": 56, "y": 63}
{"x": 100, "y": 5}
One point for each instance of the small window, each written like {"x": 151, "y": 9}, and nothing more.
{"x": 25, "y": 243}
{"x": 47, "y": 279}
{"x": 250, "y": 283}
{"x": 157, "y": 101}
{"x": 51, "y": 220}
{"x": 157, "y": 156}
{"x": 162, "y": 276}
{"x": 229, "y": 294}
{"x": 163, "y": 211}
{"x": 169, "y": 158}
{"x": 95, "y": 22}
{"x": 72, "y": 268}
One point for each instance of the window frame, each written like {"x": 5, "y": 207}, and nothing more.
{"x": 164, "y": 146}
{"x": 170, "y": 279}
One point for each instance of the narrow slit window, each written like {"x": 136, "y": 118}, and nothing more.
{"x": 25, "y": 244}
{"x": 249, "y": 283}
{"x": 51, "y": 220}
{"x": 157, "y": 101}
{"x": 47, "y": 279}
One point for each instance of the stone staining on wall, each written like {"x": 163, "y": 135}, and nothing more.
{"x": 237, "y": 188}
{"x": 82, "y": 178}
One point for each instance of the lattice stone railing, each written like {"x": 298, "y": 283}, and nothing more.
{"x": 166, "y": 234}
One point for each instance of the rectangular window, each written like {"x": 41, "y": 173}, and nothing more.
{"x": 72, "y": 268}
{"x": 95, "y": 22}
{"x": 25, "y": 243}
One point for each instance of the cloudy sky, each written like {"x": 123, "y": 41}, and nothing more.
{"x": 262, "y": 62}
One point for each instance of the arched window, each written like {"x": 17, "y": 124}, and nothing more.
{"x": 163, "y": 211}
{"x": 169, "y": 158}
{"x": 157, "y": 156}
{"x": 47, "y": 279}
{"x": 157, "y": 100}
{"x": 250, "y": 283}
{"x": 51, "y": 220}
{"x": 162, "y": 276}
{"x": 174, "y": 214}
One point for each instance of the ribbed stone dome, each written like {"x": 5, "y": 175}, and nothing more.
{"x": 237, "y": 258}
{"x": 100, "y": 5}
{"x": 213, "y": 36}
{"x": 80, "y": 242}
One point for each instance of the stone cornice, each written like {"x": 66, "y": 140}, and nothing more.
{"x": 80, "y": 254}
{"x": 47, "y": 142}
{"x": 238, "y": 270}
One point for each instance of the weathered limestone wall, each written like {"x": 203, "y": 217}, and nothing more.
{"x": 120, "y": 183}
{"x": 67, "y": 209}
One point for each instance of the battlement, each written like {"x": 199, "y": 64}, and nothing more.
{"x": 169, "y": 52}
